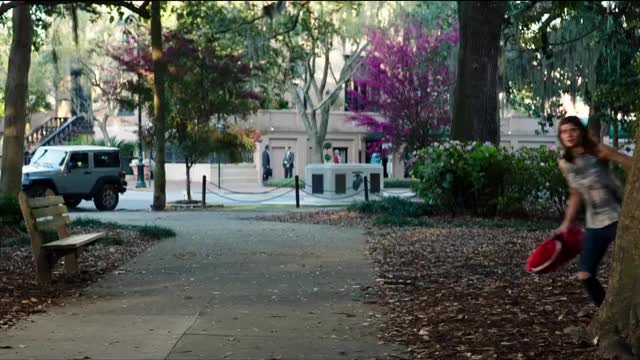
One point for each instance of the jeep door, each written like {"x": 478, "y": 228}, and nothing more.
{"x": 79, "y": 178}
{"x": 106, "y": 164}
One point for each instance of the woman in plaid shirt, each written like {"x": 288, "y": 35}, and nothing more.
{"x": 586, "y": 166}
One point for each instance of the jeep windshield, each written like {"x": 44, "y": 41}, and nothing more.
{"x": 48, "y": 158}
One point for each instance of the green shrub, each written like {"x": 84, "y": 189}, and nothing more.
{"x": 488, "y": 180}
{"x": 393, "y": 206}
{"x": 284, "y": 183}
{"x": 400, "y": 183}
{"x": 10, "y": 213}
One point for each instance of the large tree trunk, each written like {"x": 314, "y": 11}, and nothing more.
{"x": 618, "y": 320}
{"x": 159, "y": 183}
{"x": 16, "y": 95}
{"x": 475, "y": 110}
{"x": 594, "y": 124}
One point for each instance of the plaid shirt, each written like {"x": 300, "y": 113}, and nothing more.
{"x": 600, "y": 190}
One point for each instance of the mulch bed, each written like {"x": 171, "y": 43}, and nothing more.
{"x": 20, "y": 296}
{"x": 462, "y": 292}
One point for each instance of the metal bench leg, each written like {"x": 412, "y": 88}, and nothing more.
{"x": 71, "y": 262}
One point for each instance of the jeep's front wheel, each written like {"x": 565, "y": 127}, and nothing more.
{"x": 107, "y": 198}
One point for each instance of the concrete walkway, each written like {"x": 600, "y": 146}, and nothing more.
{"x": 227, "y": 287}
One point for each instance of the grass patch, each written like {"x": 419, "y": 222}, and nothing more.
{"x": 110, "y": 240}
{"x": 396, "y": 211}
{"x": 153, "y": 231}
{"x": 392, "y": 206}
{"x": 290, "y": 183}
{"x": 20, "y": 241}
{"x": 400, "y": 183}
{"x": 150, "y": 231}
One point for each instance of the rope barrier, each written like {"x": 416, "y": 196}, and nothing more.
{"x": 249, "y": 201}
{"x": 333, "y": 198}
{"x": 249, "y": 193}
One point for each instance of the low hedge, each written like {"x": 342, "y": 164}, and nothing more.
{"x": 489, "y": 180}
{"x": 400, "y": 183}
{"x": 283, "y": 183}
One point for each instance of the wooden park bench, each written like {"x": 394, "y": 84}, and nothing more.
{"x": 50, "y": 213}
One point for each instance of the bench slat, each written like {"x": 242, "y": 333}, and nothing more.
{"x": 49, "y": 211}
{"x": 74, "y": 241}
{"x": 40, "y": 202}
{"x": 53, "y": 224}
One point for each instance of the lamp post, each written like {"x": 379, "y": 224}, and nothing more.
{"x": 140, "y": 183}
{"x": 220, "y": 127}
{"x": 128, "y": 21}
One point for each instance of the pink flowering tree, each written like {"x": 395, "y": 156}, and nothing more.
{"x": 405, "y": 87}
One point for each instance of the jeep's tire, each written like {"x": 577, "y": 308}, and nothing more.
{"x": 72, "y": 202}
{"x": 37, "y": 190}
{"x": 106, "y": 199}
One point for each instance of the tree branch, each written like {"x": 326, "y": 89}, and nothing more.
{"x": 141, "y": 10}
{"x": 566, "y": 42}
{"x": 333, "y": 75}
{"x": 295, "y": 21}
{"x": 347, "y": 71}
{"x": 10, "y": 5}
{"x": 325, "y": 70}
{"x": 300, "y": 108}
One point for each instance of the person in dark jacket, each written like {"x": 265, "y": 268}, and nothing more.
{"x": 266, "y": 164}
{"x": 287, "y": 163}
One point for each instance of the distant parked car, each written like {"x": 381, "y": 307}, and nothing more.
{"x": 77, "y": 173}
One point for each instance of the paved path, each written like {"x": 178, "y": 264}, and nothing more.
{"x": 227, "y": 287}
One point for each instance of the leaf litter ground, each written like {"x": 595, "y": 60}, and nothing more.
{"x": 20, "y": 296}
{"x": 458, "y": 289}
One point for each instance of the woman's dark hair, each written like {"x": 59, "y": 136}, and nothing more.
{"x": 586, "y": 140}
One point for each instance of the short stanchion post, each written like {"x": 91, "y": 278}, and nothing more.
{"x": 204, "y": 190}
{"x": 366, "y": 189}
{"x": 297, "y": 191}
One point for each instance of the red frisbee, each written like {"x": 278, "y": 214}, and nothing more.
{"x": 555, "y": 251}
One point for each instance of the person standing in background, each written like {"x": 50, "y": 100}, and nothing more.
{"x": 287, "y": 163}
{"x": 266, "y": 164}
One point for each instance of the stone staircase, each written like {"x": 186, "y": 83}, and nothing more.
{"x": 57, "y": 131}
